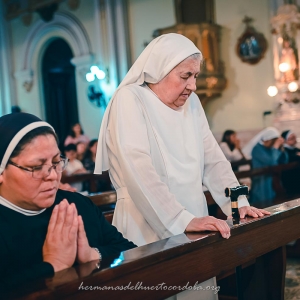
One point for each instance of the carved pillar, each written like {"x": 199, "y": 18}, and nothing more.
{"x": 6, "y": 86}
{"x": 196, "y": 21}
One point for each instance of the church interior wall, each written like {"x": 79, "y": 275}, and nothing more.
{"x": 244, "y": 96}
{"x": 243, "y": 102}
{"x": 246, "y": 92}
{"x": 145, "y": 16}
{"x": 31, "y": 101}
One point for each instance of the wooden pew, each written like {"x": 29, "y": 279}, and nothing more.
{"x": 183, "y": 260}
{"x": 242, "y": 162}
{"x": 90, "y": 178}
{"x": 106, "y": 201}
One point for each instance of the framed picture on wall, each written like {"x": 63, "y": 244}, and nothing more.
{"x": 252, "y": 45}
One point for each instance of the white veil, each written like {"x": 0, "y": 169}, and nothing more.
{"x": 268, "y": 133}
{"x": 155, "y": 62}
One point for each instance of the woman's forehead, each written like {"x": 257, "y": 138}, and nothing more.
{"x": 42, "y": 145}
{"x": 190, "y": 64}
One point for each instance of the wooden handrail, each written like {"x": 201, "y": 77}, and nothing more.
{"x": 267, "y": 170}
{"x": 239, "y": 174}
{"x": 241, "y": 162}
{"x": 184, "y": 258}
{"x": 91, "y": 178}
{"x": 80, "y": 177}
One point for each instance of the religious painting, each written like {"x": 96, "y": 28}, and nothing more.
{"x": 252, "y": 45}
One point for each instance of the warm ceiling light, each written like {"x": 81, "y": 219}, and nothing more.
{"x": 272, "y": 91}
{"x": 89, "y": 77}
{"x": 293, "y": 86}
{"x": 284, "y": 67}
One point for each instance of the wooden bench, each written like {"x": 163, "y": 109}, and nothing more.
{"x": 90, "y": 178}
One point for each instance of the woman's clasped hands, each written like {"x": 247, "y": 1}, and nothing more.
{"x": 66, "y": 240}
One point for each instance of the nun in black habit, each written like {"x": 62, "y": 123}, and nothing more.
{"x": 44, "y": 230}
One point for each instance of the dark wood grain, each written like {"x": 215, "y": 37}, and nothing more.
{"x": 186, "y": 258}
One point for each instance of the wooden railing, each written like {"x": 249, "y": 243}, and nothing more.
{"x": 107, "y": 199}
{"x": 184, "y": 259}
{"x": 90, "y": 178}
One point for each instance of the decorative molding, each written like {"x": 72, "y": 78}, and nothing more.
{"x": 7, "y": 90}
{"x": 64, "y": 25}
{"x": 26, "y": 77}
{"x": 287, "y": 20}
{"x": 211, "y": 81}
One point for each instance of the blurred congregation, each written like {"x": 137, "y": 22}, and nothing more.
{"x": 89, "y": 70}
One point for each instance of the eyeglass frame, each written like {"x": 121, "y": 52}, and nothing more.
{"x": 53, "y": 166}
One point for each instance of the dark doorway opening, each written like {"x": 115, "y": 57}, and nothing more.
{"x": 59, "y": 88}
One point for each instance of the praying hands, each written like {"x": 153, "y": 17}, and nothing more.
{"x": 66, "y": 239}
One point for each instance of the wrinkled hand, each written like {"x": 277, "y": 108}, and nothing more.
{"x": 84, "y": 252}
{"x": 209, "y": 223}
{"x": 252, "y": 212}
{"x": 60, "y": 245}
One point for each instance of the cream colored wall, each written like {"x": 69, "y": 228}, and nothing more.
{"x": 89, "y": 115}
{"x": 144, "y": 17}
{"x": 28, "y": 101}
{"x": 242, "y": 103}
{"x": 245, "y": 99}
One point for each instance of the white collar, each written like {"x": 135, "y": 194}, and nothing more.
{"x": 18, "y": 209}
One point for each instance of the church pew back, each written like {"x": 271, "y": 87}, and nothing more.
{"x": 185, "y": 258}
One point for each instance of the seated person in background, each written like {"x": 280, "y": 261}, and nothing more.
{"x": 103, "y": 183}
{"x": 74, "y": 165}
{"x": 44, "y": 230}
{"x": 290, "y": 178}
{"x": 230, "y": 146}
{"x": 266, "y": 149}
{"x": 76, "y": 135}
{"x": 81, "y": 148}
{"x": 290, "y": 142}
{"x": 90, "y": 155}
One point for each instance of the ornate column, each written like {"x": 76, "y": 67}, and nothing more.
{"x": 286, "y": 51}
{"x": 6, "y": 80}
{"x": 195, "y": 20}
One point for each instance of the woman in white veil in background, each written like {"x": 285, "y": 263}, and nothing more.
{"x": 265, "y": 149}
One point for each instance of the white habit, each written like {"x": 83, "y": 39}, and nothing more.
{"x": 158, "y": 158}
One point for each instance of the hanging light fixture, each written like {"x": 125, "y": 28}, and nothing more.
{"x": 95, "y": 73}
{"x": 293, "y": 86}
{"x": 272, "y": 91}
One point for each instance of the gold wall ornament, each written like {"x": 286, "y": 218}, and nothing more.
{"x": 206, "y": 36}
{"x": 28, "y": 85}
{"x": 251, "y": 45}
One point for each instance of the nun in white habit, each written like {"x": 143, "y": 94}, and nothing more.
{"x": 156, "y": 143}
{"x": 265, "y": 149}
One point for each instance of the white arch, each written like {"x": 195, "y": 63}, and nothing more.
{"x": 63, "y": 24}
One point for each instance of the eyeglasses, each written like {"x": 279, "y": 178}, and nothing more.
{"x": 43, "y": 171}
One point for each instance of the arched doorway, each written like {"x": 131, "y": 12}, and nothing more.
{"x": 59, "y": 86}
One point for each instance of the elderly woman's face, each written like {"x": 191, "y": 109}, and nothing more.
{"x": 177, "y": 86}
{"x": 19, "y": 187}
